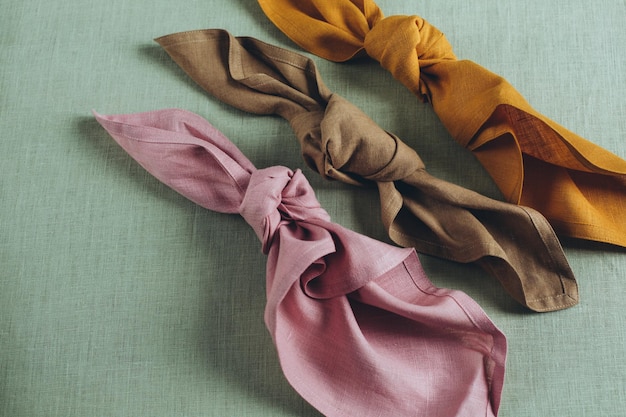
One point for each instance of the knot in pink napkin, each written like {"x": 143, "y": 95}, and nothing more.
{"x": 275, "y": 196}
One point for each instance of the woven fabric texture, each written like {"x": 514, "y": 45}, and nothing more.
{"x": 121, "y": 298}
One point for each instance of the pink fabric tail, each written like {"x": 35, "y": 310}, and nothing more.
{"x": 358, "y": 327}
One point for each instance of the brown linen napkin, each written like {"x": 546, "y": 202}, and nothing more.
{"x": 515, "y": 244}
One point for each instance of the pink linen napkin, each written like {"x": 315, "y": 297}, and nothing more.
{"x": 358, "y": 327}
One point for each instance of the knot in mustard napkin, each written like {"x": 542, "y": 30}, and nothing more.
{"x": 515, "y": 244}
{"x": 358, "y": 327}
{"x": 578, "y": 186}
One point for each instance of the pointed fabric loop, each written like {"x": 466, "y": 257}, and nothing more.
{"x": 358, "y": 327}
{"x": 514, "y": 244}
{"x": 578, "y": 186}
{"x": 183, "y": 151}
{"x": 247, "y": 75}
{"x": 335, "y": 33}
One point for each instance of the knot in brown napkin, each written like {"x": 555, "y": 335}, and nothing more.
{"x": 344, "y": 144}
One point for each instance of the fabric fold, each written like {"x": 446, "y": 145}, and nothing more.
{"x": 358, "y": 327}
{"x": 578, "y": 186}
{"x": 513, "y": 243}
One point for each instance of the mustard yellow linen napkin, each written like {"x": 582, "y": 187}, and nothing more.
{"x": 578, "y": 186}
{"x": 515, "y": 244}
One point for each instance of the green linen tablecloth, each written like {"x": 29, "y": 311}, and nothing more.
{"x": 118, "y": 297}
